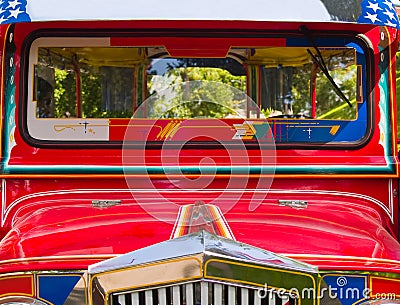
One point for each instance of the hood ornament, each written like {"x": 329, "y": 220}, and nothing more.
{"x": 201, "y": 217}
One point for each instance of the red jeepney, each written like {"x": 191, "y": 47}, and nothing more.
{"x": 197, "y": 153}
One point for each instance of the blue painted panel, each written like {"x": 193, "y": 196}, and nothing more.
{"x": 347, "y": 289}
{"x": 56, "y": 289}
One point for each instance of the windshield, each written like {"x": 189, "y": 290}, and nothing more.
{"x": 104, "y": 87}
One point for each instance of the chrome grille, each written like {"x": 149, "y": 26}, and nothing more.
{"x": 204, "y": 293}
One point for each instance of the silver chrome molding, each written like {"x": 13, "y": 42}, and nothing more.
{"x": 212, "y": 264}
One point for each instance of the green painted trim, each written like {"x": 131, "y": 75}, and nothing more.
{"x": 219, "y": 170}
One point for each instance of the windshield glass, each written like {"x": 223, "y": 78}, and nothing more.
{"x": 99, "y": 86}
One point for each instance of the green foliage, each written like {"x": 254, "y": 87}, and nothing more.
{"x": 294, "y": 85}
{"x": 301, "y": 88}
{"x": 185, "y": 99}
{"x": 191, "y": 98}
{"x": 328, "y": 99}
{"x": 64, "y": 94}
{"x": 91, "y": 94}
{"x": 267, "y": 111}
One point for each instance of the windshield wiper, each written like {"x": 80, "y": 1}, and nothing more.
{"x": 319, "y": 60}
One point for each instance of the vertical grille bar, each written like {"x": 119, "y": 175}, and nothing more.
{"x": 121, "y": 299}
{"x": 245, "y": 296}
{"x": 271, "y": 299}
{"x": 148, "y": 297}
{"x": 218, "y": 294}
{"x": 134, "y": 298}
{"x": 189, "y": 294}
{"x": 257, "y": 298}
{"x": 176, "y": 295}
{"x": 231, "y": 295}
{"x": 204, "y": 293}
{"x": 162, "y": 296}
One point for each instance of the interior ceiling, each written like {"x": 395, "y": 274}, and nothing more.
{"x": 131, "y": 56}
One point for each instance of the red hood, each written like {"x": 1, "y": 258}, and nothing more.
{"x": 69, "y": 227}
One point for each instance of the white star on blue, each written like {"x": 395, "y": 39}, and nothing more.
{"x": 379, "y": 12}
{"x": 12, "y": 11}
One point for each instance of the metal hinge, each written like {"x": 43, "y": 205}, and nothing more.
{"x": 102, "y": 204}
{"x": 295, "y": 204}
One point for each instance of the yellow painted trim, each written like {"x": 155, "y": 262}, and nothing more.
{"x": 346, "y": 275}
{"x": 2, "y": 89}
{"x": 19, "y": 275}
{"x": 343, "y": 258}
{"x": 59, "y": 274}
{"x": 372, "y": 295}
{"x": 56, "y": 258}
{"x": 107, "y": 293}
{"x": 171, "y": 176}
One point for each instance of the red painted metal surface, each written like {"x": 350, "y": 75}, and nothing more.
{"x": 64, "y": 223}
{"x": 18, "y": 284}
{"x": 25, "y": 155}
{"x": 49, "y": 221}
{"x": 385, "y": 287}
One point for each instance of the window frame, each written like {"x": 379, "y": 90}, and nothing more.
{"x": 60, "y": 35}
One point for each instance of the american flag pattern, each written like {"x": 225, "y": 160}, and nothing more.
{"x": 379, "y": 13}
{"x": 12, "y": 11}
